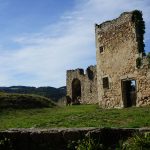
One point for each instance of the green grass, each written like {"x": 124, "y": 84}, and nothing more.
{"x": 75, "y": 116}
{"x": 20, "y": 101}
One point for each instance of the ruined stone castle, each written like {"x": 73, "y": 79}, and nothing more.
{"x": 121, "y": 77}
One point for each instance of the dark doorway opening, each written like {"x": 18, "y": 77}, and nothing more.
{"x": 129, "y": 92}
{"x": 76, "y": 91}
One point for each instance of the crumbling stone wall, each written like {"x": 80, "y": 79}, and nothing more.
{"x": 59, "y": 139}
{"x": 88, "y": 83}
{"x": 120, "y": 60}
{"x": 143, "y": 84}
{"x": 118, "y": 45}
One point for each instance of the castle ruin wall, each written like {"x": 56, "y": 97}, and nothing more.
{"x": 117, "y": 49}
{"x": 121, "y": 77}
{"x": 88, "y": 83}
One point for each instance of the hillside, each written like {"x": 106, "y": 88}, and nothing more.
{"x": 50, "y": 92}
{"x": 26, "y": 101}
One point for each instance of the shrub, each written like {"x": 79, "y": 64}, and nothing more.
{"x": 85, "y": 144}
{"x": 137, "y": 142}
{"x": 138, "y": 62}
{"x": 148, "y": 58}
{"x": 6, "y": 144}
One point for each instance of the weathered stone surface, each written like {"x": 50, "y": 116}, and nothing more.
{"x": 118, "y": 44}
{"x": 120, "y": 39}
{"x": 88, "y": 84}
{"x": 58, "y": 139}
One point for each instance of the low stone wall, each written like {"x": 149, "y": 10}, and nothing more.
{"x": 58, "y": 139}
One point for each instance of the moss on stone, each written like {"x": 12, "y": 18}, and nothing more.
{"x": 138, "y": 62}
{"x": 140, "y": 29}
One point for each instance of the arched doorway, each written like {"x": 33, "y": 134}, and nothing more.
{"x": 76, "y": 90}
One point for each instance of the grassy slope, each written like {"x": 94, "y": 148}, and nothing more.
{"x": 75, "y": 116}
{"x": 23, "y": 101}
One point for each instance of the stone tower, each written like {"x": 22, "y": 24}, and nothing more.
{"x": 119, "y": 53}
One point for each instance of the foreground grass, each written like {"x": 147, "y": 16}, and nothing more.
{"x": 75, "y": 116}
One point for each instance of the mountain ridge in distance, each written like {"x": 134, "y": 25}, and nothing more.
{"x": 50, "y": 92}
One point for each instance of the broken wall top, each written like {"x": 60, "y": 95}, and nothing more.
{"x": 107, "y": 25}
{"x": 128, "y": 23}
{"x": 80, "y": 71}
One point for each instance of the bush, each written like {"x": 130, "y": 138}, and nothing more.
{"x": 138, "y": 62}
{"x": 85, "y": 144}
{"x": 137, "y": 142}
{"x": 6, "y": 144}
{"x": 148, "y": 58}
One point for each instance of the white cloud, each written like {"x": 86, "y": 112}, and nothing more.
{"x": 47, "y": 55}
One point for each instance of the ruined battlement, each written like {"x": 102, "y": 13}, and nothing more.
{"x": 107, "y": 25}
{"x": 114, "y": 35}
{"x": 126, "y": 17}
{"x": 77, "y": 71}
{"x": 128, "y": 26}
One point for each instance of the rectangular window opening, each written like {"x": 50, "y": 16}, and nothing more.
{"x": 101, "y": 49}
{"x": 105, "y": 83}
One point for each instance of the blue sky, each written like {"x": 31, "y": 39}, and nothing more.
{"x": 41, "y": 39}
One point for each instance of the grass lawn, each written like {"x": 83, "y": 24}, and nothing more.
{"x": 74, "y": 116}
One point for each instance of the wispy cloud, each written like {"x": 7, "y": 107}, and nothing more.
{"x": 45, "y": 56}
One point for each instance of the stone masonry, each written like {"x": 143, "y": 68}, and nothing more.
{"x": 82, "y": 85}
{"x": 121, "y": 77}
{"x": 60, "y": 138}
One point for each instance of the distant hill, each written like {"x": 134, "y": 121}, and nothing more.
{"x": 50, "y": 92}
